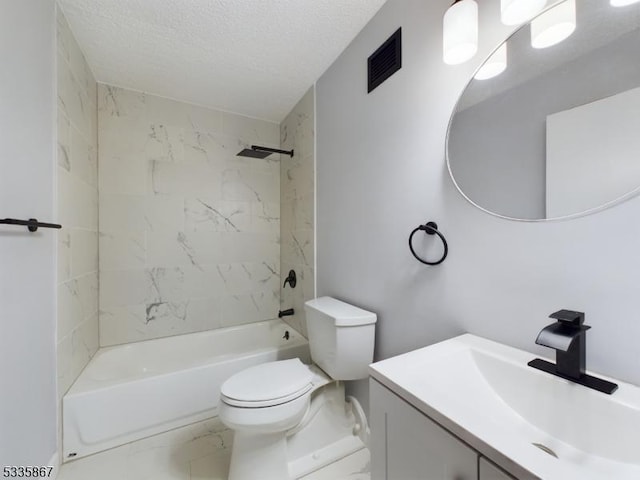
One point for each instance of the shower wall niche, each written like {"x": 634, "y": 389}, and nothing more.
{"x": 189, "y": 233}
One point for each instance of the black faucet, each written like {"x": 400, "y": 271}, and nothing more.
{"x": 568, "y": 336}
{"x": 285, "y": 313}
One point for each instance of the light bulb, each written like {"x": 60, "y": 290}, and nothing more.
{"x": 554, "y": 25}
{"x": 460, "y": 32}
{"x": 516, "y": 12}
{"x": 494, "y": 66}
{"x": 623, "y": 3}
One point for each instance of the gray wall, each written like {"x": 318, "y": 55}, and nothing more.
{"x": 381, "y": 171}
{"x": 27, "y": 272}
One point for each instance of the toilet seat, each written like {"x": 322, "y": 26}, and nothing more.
{"x": 268, "y": 384}
{"x": 266, "y": 403}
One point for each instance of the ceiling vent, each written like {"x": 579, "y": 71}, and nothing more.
{"x": 385, "y": 61}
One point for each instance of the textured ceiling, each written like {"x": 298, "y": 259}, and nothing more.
{"x": 253, "y": 57}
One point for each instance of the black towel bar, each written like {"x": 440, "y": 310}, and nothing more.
{"x": 32, "y": 224}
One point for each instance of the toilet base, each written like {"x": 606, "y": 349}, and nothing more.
{"x": 331, "y": 430}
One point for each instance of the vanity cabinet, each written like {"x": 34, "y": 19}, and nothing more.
{"x": 407, "y": 445}
{"x": 488, "y": 471}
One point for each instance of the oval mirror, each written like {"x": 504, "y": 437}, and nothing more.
{"x": 557, "y": 132}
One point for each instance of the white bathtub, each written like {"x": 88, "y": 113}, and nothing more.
{"x": 133, "y": 391}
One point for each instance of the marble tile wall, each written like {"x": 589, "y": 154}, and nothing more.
{"x": 77, "y": 206}
{"x": 189, "y": 233}
{"x": 297, "y": 180}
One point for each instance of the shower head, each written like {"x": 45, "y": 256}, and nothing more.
{"x": 262, "y": 152}
{"x": 247, "y": 152}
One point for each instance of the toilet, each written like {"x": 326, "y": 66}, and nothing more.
{"x": 290, "y": 419}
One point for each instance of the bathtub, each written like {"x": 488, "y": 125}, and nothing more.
{"x": 133, "y": 391}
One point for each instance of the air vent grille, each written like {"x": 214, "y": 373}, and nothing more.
{"x": 385, "y": 61}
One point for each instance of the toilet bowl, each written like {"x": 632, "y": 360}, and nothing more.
{"x": 268, "y": 398}
{"x": 289, "y": 418}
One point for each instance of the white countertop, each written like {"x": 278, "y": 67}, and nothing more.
{"x": 484, "y": 393}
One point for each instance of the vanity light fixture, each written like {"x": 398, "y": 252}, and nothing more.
{"x": 516, "y": 12}
{"x": 554, "y": 26}
{"x": 495, "y": 65}
{"x": 623, "y": 3}
{"x": 460, "y": 32}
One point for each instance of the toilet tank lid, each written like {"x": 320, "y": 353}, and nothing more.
{"x": 344, "y": 314}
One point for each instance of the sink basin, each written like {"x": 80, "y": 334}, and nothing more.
{"x": 532, "y": 423}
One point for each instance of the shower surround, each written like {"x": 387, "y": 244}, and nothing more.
{"x": 77, "y": 205}
{"x": 189, "y": 233}
{"x": 297, "y": 199}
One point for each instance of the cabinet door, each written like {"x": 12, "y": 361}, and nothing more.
{"x": 488, "y": 471}
{"x": 407, "y": 445}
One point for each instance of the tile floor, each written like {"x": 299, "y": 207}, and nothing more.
{"x": 196, "y": 452}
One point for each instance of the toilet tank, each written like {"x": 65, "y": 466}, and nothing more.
{"x": 341, "y": 337}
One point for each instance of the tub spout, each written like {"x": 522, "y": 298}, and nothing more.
{"x": 285, "y": 313}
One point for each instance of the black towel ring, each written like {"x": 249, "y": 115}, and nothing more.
{"x": 430, "y": 228}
